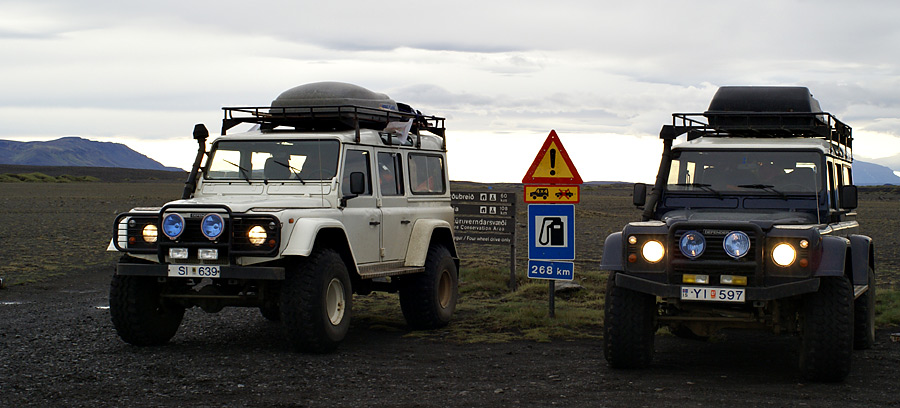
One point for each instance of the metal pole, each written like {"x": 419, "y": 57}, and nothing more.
{"x": 552, "y": 299}
{"x": 513, "y": 285}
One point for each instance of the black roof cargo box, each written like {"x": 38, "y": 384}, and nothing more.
{"x": 763, "y": 99}
{"x": 775, "y": 110}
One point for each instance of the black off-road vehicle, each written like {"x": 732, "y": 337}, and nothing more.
{"x": 750, "y": 224}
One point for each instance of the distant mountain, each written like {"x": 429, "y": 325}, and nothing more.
{"x": 78, "y": 152}
{"x": 893, "y": 161}
{"x": 868, "y": 174}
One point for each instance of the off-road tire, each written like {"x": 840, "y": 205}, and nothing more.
{"x": 141, "y": 317}
{"x": 316, "y": 302}
{"x": 428, "y": 298}
{"x": 271, "y": 312}
{"x": 629, "y": 326}
{"x": 864, "y": 317}
{"x": 827, "y": 331}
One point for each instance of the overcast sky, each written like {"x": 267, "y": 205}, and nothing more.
{"x": 604, "y": 74}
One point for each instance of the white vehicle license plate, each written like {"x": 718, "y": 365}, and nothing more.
{"x": 194, "y": 271}
{"x": 712, "y": 294}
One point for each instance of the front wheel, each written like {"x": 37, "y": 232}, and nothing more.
{"x": 827, "y": 331}
{"x": 864, "y": 317}
{"x": 629, "y": 326}
{"x": 139, "y": 314}
{"x": 316, "y": 301}
{"x": 428, "y": 298}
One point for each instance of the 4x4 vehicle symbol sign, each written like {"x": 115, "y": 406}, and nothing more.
{"x": 551, "y": 231}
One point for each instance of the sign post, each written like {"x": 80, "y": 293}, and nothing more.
{"x": 487, "y": 218}
{"x": 552, "y": 187}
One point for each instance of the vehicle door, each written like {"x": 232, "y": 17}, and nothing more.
{"x": 362, "y": 218}
{"x": 394, "y": 205}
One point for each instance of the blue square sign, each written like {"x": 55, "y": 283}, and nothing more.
{"x": 551, "y": 231}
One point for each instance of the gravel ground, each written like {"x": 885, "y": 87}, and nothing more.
{"x": 58, "y": 348}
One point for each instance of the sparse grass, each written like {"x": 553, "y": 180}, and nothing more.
{"x": 43, "y": 178}
{"x": 887, "y": 307}
{"x": 488, "y": 312}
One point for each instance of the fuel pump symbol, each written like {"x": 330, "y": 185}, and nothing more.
{"x": 552, "y": 232}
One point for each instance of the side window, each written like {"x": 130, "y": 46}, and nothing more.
{"x": 832, "y": 185}
{"x": 426, "y": 174}
{"x": 356, "y": 160}
{"x": 390, "y": 175}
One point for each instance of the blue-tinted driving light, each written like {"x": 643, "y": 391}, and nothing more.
{"x": 173, "y": 226}
{"x": 736, "y": 244}
{"x": 212, "y": 226}
{"x": 692, "y": 244}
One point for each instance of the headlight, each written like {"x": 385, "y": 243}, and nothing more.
{"x": 653, "y": 251}
{"x": 150, "y": 233}
{"x": 257, "y": 235}
{"x": 212, "y": 226}
{"x": 692, "y": 244}
{"x": 173, "y": 226}
{"x": 784, "y": 254}
{"x": 736, "y": 244}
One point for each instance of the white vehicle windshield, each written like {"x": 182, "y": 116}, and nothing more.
{"x": 300, "y": 160}
{"x": 745, "y": 171}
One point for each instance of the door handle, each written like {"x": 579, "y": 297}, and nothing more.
{"x": 374, "y": 222}
{"x": 405, "y": 222}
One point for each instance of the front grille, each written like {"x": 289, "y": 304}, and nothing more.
{"x": 715, "y": 251}
{"x": 232, "y": 242}
{"x": 714, "y": 261}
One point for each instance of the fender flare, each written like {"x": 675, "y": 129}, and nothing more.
{"x": 613, "y": 253}
{"x": 303, "y": 235}
{"x": 420, "y": 239}
{"x": 834, "y": 254}
{"x": 861, "y": 252}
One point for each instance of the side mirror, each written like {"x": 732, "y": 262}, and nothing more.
{"x": 849, "y": 198}
{"x": 357, "y": 183}
{"x": 640, "y": 194}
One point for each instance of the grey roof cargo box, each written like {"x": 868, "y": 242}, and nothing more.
{"x": 329, "y": 106}
{"x": 333, "y": 94}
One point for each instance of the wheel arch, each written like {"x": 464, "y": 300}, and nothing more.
{"x": 309, "y": 234}
{"x": 834, "y": 256}
{"x": 613, "y": 255}
{"x": 862, "y": 254}
{"x": 426, "y": 233}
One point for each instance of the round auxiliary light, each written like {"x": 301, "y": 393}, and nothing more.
{"x": 653, "y": 251}
{"x": 692, "y": 244}
{"x": 736, "y": 244}
{"x": 173, "y": 225}
{"x": 784, "y": 254}
{"x": 257, "y": 235}
{"x": 212, "y": 226}
{"x": 150, "y": 233}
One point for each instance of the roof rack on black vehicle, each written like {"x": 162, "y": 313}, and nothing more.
{"x": 764, "y": 112}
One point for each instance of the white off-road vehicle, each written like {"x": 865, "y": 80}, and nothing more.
{"x": 751, "y": 224}
{"x": 334, "y": 190}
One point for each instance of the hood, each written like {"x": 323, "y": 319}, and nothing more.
{"x": 244, "y": 204}
{"x": 763, "y": 218}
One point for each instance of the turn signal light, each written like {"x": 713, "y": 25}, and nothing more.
{"x": 689, "y": 278}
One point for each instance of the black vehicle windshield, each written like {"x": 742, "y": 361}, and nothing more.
{"x": 718, "y": 171}
{"x": 299, "y": 160}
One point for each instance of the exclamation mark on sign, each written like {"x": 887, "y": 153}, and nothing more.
{"x": 552, "y": 162}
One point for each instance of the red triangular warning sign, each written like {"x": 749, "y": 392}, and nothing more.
{"x": 552, "y": 164}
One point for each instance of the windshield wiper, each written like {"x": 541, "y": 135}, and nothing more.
{"x": 705, "y": 187}
{"x": 243, "y": 172}
{"x": 294, "y": 171}
{"x": 766, "y": 187}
